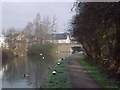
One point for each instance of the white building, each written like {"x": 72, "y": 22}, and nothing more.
{"x": 61, "y": 38}
{"x": 2, "y": 42}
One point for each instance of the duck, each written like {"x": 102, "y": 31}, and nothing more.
{"x": 25, "y": 75}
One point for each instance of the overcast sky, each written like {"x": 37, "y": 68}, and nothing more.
{"x": 18, "y": 14}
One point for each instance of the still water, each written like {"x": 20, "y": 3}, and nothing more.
{"x": 36, "y": 68}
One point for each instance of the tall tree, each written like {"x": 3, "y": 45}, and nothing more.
{"x": 97, "y": 27}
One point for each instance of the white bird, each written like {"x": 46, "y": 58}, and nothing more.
{"x": 40, "y": 54}
{"x": 43, "y": 57}
{"x": 58, "y": 63}
{"x": 54, "y": 72}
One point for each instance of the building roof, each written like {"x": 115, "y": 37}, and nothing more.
{"x": 60, "y": 36}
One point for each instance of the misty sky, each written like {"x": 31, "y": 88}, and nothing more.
{"x": 18, "y": 14}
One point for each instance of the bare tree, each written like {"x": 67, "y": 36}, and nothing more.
{"x": 29, "y": 30}
{"x": 53, "y": 25}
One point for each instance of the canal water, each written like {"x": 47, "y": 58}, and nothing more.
{"x": 28, "y": 72}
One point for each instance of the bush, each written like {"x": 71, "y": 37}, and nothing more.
{"x": 46, "y": 49}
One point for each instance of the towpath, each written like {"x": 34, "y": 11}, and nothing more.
{"x": 78, "y": 76}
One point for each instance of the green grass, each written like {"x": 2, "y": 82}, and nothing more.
{"x": 60, "y": 79}
{"x": 95, "y": 72}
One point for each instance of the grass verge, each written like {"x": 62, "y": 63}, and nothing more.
{"x": 95, "y": 72}
{"x": 60, "y": 79}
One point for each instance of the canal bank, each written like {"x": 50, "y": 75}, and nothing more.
{"x": 58, "y": 75}
{"x": 76, "y": 72}
{"x": 69, "y": 74}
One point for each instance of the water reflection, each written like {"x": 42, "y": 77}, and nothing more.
{"x": 34, "y": 67}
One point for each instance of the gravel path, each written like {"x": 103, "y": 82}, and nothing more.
{"x": 78, "y": 77}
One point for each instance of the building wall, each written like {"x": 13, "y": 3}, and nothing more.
{"x": 67, "y": 40}
{"x": 2, "y": 42}
{"x": 66, "y": 47}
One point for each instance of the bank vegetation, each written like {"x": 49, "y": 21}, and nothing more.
{"x": 96, "y": 26}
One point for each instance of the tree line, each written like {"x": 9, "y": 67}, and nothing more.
{"x": 38, "y": 28}
{"x": 96, "y": 26}
{"x": 35, "y": 32}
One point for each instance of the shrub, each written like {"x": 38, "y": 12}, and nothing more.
{"x": 46, "y": 49}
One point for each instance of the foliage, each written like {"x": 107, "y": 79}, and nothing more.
{"x": 98, "y": 74}
{"x": 17, "y": 44}
{"x": 97, "y": 27}
{"x": 40, "y": 29}
{"x": 37, "y": 31}
{"x": 61, "y": 79}
{"x": 46, "y": 48}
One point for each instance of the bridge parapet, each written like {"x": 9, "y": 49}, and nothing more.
{"x": 66, "y": 47}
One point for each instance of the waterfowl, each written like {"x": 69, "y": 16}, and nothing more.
{"x": 40, "y": 54}
{"x": 58, "y": 63}
{"x": 43, "y": 57}
{"x": 54, "y": 72}
{"x": 27, "y": 78}
{"x": 25, "y": 75}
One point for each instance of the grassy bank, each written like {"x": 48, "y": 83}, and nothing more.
{"x": 97, "y": 73}
{"x": 60, "y": 79}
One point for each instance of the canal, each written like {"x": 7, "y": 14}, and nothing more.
{"x": 28, "y": 72}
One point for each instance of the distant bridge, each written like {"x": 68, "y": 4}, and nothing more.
{"x": 63, "y": 47}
